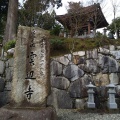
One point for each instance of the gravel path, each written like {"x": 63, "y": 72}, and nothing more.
{"x": 64, "y": 114}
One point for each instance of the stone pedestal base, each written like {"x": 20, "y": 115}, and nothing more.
{"x": 90, "y": 105}
{"x": 7, "y": 113}
{"x": 112, "y": 105}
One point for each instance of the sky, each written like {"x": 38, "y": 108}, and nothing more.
{"x": 106, "y": 6}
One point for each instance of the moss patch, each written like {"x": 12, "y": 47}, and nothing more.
{"x": 61, "y": 46}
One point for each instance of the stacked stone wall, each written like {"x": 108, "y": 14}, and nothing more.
{"x": 69, "y": 77}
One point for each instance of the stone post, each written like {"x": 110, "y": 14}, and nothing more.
{"x": 90, "y": 103}
{"x": 111, "y": 92}
{"x": 31, "y": 83}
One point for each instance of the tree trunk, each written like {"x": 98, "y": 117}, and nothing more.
{"x": 11, "y": 25}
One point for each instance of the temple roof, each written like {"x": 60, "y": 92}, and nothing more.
{"x": 89, "y": 11}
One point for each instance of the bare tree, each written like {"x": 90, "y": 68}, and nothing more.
{"x": 115, "y": 6}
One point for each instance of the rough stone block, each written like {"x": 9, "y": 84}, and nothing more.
{"x": 2, "y": 85}
{"x": 78, "y": 88}
{"x": 60, "y": 99}
{"x": 114, "y": 79}
{"x": 60, "y": 82}
{"x": 5, "y": 98}
{"x": 63, "y": 60}
{"x": 101, "y": 79}
{"x": 92, "y": 54}
{"x": 80, "y": 103}
{"x": 72, "y": 72}
{"x": 11, "y": 62}
{"x": 92, "y": 66}
{"x": 104, "y": 50}
{"x": 8, "y": 86}
{"x": 55, "y": 68}
{"x": 9, "y": 74}
{"x": 2, "y": 67}
{"x": 48, "y": 113}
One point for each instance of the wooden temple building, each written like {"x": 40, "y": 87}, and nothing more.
{"x": 89, "y": 18}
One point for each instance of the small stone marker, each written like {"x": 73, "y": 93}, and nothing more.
{"x": 90, "y": 103}
{"x": 111, "y": 101}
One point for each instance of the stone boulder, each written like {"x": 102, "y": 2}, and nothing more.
{"x": 101, "y": 79}
{"x": 116, "y": 54}
{"x": 55, "y": 68}
{"x": 60, "y": 99}
{"x": 2, "y": 67}
{"x": 48, "y": 113}
{"x": 78, "y": 88}
{"x": 72, "y": 72}
{"x": 114, "y": 79}
{"x": 92, "y": 54}
{"x": 108, "y": 64}
{"x": 2, "y": 85}
{"x": 92, "y": 66}
{"x": 63, "y": 60}
{"x": 80, "y": 103}
{"x": 60, "y": 82}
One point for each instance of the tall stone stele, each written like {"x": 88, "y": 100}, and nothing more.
{"x": 31, "y": 86}
{"x": 31, "y": 83}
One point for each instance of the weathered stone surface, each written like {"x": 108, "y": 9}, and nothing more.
{"x": 72, "y": 72}
{"x": 82, "y": 60}
{"x": 114, "y": 79}
{"x": 31, "y": 82}
{"x": 92, "y": 54}
{"x": 11, "y": 51}
{"x": 55, "y": 68}
{"x": 80, "y": 103}
{"x": 104, "y": 50}
{"x": 5, "y": 98}
{"x": 64, "y": 100}
{"x": 9, "y": 74}
{"x": 63, "y": 60}
{"x": 102, "y": 92}
{"x": 116, "y": 54}
{"x": 2, "y": 67}
{"x": 68, "y": 56}
{"x": 81, "y": 53}
{"x": 48, "y": 113}
{"x": 76, "y": 59}
{"x": 92, "y": 66}
{"x": 2, "y": 85}
{"x": 101, "y": 79}
{"x": 11, "y": 62}
{"x": 78, "y": 88}
{"x": 118, "y": 47}
{"x": 118, "y": 90}
{"x": 60, "y": 99}
{"x": 108, "y": 65}
{"x": 8, "y": 86}
{"x": 60, "y": 82}
{"x": 112, "y": 47}
{"x": 52, "y": 98}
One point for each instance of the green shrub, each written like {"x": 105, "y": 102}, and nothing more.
{"x": 10, "y": 44}
{"x": 55, "y": 30}
{"x": 57, "y": 44}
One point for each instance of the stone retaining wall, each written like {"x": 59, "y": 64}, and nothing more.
{"x": 69, "y": 77}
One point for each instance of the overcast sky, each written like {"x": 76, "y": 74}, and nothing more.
{"x": 106, "y": 8}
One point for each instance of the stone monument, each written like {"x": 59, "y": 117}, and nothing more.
{"x": 31, "y": 84}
